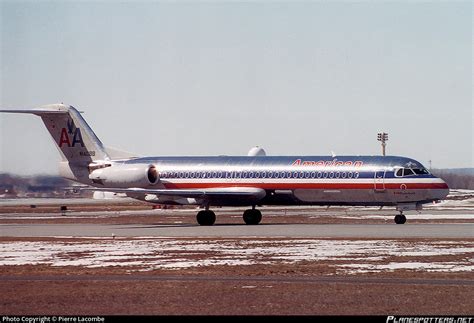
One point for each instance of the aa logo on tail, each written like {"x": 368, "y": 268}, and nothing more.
{"x": 71, "y": 131}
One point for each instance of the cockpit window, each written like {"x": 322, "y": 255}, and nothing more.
{"x": 408, "y": 172}
{"x": 420, "y": 171}
{"x": 403, "y": 172}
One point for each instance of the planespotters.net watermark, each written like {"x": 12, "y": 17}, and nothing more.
{"x": 53, "y": 319}
{"x": 429, "y": 319}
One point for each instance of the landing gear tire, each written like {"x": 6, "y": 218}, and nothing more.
{"x": 252, "y": 216}
{"x": 400, "y": 219}
{"x": 206, "y": 217}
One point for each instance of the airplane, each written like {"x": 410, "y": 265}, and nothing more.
{"x": 249, "y": 181}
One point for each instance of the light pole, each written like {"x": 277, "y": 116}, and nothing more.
{"x": 382, "y": 137}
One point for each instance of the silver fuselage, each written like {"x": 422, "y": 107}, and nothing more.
{"x": 302, "y": 180}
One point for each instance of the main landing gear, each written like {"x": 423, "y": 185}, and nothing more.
{"x": 207, "y": 217}
{"x": 400, "y": 218}
{"x": 252, "y": 216}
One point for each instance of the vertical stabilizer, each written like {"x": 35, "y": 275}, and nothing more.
{"x": 77, "y": 143}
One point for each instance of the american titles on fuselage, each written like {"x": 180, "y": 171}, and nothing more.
{"x": 327, "y": 163}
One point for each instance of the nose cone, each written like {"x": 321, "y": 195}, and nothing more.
{"x": 441, "y": 191}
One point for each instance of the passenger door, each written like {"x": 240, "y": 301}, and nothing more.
{"x": 379, "y": 180}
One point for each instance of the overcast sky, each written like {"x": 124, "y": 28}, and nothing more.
{"x": 204, "y": 78}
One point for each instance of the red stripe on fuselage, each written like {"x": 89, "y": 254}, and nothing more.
{"x": 316, "y": 186}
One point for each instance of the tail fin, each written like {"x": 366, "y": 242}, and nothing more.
{"x": 75, "y": 140}
{"x": 77, "y": 143}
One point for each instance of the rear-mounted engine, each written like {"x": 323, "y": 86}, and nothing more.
{"x": 124, "y": 176}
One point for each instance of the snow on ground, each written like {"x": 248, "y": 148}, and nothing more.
{"x": 418, "y": 216}
{"x": 457, "y": 199}
{"x": 467, "y": 204}
{"x": 460, "y": 192}
{"x": 438, "y": 267}
{"x": 348, "y": 256}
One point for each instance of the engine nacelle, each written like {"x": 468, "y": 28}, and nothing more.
{"x": 124, "y": 176}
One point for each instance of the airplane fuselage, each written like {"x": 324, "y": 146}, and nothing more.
{"x": 305, "y": 180}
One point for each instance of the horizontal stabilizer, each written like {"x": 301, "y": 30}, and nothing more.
{"x": 38, "y": 112}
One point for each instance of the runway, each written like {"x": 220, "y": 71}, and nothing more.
{"x": 384, "y": 231}
{"x": 234, "y": 279}
{"x": 302, "y": 256}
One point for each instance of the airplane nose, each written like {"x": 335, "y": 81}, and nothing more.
{"x": 442, "y": 191}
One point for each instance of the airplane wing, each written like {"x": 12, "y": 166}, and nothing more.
{"x": 247, "y": 195}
